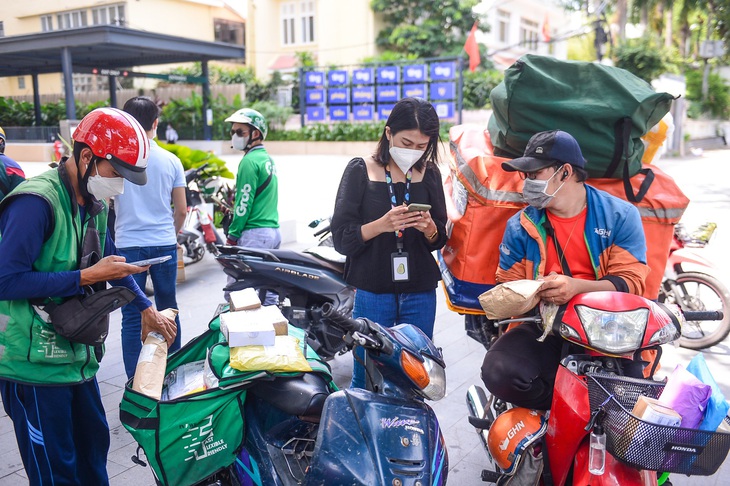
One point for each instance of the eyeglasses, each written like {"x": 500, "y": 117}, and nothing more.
{"x": 533, "y": 175}
{"x": 239, "y": 132}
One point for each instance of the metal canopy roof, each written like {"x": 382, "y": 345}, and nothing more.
{"x": 104, "y": 47}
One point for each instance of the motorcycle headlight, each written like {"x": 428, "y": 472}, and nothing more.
{"x": 428, "y": 375}
{"x": 613, "y": 332}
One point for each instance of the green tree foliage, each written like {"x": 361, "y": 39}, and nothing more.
{"x": 192, "y": 158}
{"x": 478, "y": 85}
{"x": 717, "y": 104}
{"x": 424, "y": 28}
{"x": 642, "y": 57}
{"x": 21, "y": 113}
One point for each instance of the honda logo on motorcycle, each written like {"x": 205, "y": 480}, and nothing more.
{"x": 690, "y": 449}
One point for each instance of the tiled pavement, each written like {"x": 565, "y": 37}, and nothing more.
{"x": 200, "y": 294}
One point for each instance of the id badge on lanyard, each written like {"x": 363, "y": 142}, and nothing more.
{"x": 399, "y": 259}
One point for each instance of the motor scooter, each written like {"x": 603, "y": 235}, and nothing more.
{"x": 690, "y": 281}
{"x": 596, "y": 387}
{"x": 198, "y": 232}
{"x": 299, "y": 432}
{"x": 302, "y": 281}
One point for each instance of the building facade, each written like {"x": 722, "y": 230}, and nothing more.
{"x": 333, "y": 32}
{"x": 518, "y": 27}
{"x": 207, "y": 20}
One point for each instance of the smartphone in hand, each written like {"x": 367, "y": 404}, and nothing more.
{"x": 150, "y": 261}
{"x": 418, "y": 207}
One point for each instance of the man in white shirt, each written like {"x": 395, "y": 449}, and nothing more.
{"x": 148, "y": 219}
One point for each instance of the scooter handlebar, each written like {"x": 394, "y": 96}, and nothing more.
{"x": 703, "y": 315}
{"x": 346, "y": 323}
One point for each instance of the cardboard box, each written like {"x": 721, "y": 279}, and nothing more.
{"x": 272, "y": 314}
{"x": 241, "y": 330}
{"x": 651, "y": 410}
{"x": 180, "y": 266}
{"x": 246, "y": 299}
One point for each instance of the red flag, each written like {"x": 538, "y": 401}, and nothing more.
{"x": 472, "y": 48}
{"x": 546, "y": 29}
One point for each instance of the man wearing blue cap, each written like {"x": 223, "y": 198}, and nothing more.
{"x": 574, "y": 237}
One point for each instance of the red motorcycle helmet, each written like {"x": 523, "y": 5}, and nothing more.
{"x": 118, "y": 137}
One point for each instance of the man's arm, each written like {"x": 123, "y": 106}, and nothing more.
{"x": 180, "y": 208}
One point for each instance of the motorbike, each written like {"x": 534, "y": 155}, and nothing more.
{"x": 198, "y": 232}
{"x": 300, "y": 432}
{"x": 689, "y": 282}
{"x": 303, "y": 283}
{"x": 589, "y": 436}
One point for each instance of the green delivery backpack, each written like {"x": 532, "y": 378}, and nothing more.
{"x": 194, "y": 436}
{"x": 606, "y": 109}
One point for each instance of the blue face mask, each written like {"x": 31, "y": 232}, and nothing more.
{"x": 534, "y": 192}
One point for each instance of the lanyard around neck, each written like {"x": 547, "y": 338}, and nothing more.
{"x": 394, "y": 202}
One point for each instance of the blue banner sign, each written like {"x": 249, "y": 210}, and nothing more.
{"x": 388, "y": 74}
{"x": 384, "y": 111}
{"x": 414, "y": 74}
{"x": 339, "y": 113}
{"x": 337, "y": 78}
{"x": 363, "y": 76}
{"x": 315, "y": 96}
{"x": 442, "y": 71}
{"x": 314, "y": 78}
{"x": 442, "y": 91}
{"x": 444, "y": 110}
{"x": 388, "y": 93}
{"x": 414, "y": 90}
{"x": 362, "y": 113}
{"x": 363, "y": 95}
{"x": 338, "y": 96}
{"x": 315, "y": 113}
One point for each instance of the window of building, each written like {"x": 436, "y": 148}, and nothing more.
{"x": 503, "y": 26}
{"x": 21, "y": 82}
{"x": 108, "y": 15}
{"x": 288, "y": 12}
{"x": 46, "y": 23}
{"x": 72, "y": 19}
{"x": 307, "y": 17}
{"x": 229, "y": 32}
{"x": 2, "y": 29}
{"x": 529, "y": 34}
{"x": 83, "y": 83}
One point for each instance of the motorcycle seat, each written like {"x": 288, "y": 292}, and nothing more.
{"x": 307, "y": 259}
{"x": 301, "y": 396}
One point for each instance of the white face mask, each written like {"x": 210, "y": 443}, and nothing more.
{"x": 405, "y": 158}
{"x": 239, "y": 143}
{"x": 104, "y": 187}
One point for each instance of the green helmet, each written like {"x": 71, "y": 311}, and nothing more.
{"x": 250, "y": 117}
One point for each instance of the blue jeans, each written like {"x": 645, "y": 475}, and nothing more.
{"x": 266, "y": 239}
{"x": 418, "y": 308}
{"x": 164, "y": 279}
{"x": 62, "y": 432}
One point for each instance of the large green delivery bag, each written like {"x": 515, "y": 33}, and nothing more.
{"x": 606, "y": 109}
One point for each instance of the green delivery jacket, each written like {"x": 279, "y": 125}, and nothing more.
{"x": 257, "y": 193}
{"x": 30, "y": 350}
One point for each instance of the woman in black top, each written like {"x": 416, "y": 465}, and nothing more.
{"x": 388, "y": 249}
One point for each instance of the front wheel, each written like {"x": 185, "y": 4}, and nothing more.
{"x": 699, "y": 291}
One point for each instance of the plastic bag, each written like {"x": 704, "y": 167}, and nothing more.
{"x": 717, "y": 407}
{"x": 284, "y": 355}
{"x": 687, "y": 395}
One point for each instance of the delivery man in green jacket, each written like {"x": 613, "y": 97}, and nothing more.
{"x": 48, "y": 383}
{"x": 255, "y": 220}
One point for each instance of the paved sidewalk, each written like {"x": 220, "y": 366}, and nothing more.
{"x": 200, "y": 294}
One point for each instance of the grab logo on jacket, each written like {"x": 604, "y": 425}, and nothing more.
{"x": 242, "y": 207}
